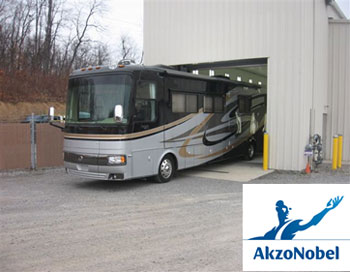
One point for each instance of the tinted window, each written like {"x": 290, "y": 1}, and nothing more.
{"x": 182, "y": 102}
{"x": 244, "y": 103}
{"x": 146, "y": 90}
{"x": 213, "y": 104}
{"x": 92, "y": 99}
{"x": 178, "y": 102}
{"x": 208, "y": 103}
{"x": 191, "y": 103}
{"x": 218, "y": 104}
{"x": 145, "y": 102}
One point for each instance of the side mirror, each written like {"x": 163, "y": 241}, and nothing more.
{"x": 51, "y": 113}
{"x": 118, "y": 113}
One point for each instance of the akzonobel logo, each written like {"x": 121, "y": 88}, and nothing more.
{"x": 296, "y": 227}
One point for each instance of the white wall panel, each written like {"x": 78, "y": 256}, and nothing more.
{"x": 338, "y": 121}
{"x": 292, "y": 34}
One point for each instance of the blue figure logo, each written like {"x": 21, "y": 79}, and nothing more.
{"x": 287, "y": 228}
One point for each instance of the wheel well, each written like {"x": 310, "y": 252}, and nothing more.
{"x": 173, "y": 157}
{"x": 253, "y": 141}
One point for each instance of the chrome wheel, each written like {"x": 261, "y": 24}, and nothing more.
{"x": 166, "y": 168}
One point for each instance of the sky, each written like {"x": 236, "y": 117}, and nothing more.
{"x": 345, "y": 7}
{"x": 120, "y": 17}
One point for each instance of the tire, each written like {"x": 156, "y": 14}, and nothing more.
{"x": 250, "y": 151}
{"x": 166, "y": 170}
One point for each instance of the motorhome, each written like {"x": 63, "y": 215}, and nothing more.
{"x": 134, "y": 121}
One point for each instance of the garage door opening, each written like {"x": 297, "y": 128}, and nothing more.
{"x": 253, "y": 71}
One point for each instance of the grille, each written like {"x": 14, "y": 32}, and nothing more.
{"x": 85, "y": 159}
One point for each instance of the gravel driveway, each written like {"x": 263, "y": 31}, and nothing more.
{"x": 54, "y": 222}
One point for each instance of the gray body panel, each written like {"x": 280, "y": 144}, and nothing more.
{"x": 183, "y": 141}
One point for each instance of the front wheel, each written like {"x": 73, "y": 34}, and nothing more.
{"x": 166, "y": 170}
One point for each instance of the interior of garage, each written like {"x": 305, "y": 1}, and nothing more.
{"x": 247, "y": 71}
{"x": 253, "y": 71}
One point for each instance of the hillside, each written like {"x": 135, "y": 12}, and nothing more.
{"x": 25, "y": 92}
{"x": 16, "y": 112}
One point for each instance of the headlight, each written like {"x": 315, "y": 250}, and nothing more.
{"x": 117, "y": 160}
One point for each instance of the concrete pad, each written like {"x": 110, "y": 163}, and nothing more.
{"x": 232, "y": 170}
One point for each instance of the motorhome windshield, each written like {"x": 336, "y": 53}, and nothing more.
{"x": 93, "y": 99}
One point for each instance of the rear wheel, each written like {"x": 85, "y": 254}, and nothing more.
{"x": 250, "y": 151}
{"x": 166, "y": 170}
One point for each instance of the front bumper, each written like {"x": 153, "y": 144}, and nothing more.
{"x": 98, "y": 172}
{"x": 93, "y": 175}
{"x": 85, "y": 174}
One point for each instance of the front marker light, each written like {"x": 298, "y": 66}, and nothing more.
{"x": 117, "y": 160}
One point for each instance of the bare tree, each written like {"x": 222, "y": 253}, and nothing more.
{"x": 102, "y": 56}
{"x": 25, "y": 27}
{"x": 39, "y": 4}
{"x": 81, "y": 29}
{"x": 127, "y": 48}
{"x": 48, "y": 35}
{"x": 2, "y": 7}
{"x": 3, "y": 13}
{"x": 92, "y": 55}
{"x": 17, "y": 30}
{"x": 36, "y": 54}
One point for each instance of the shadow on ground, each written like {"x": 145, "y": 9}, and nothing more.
{"x": 109, "y": 185}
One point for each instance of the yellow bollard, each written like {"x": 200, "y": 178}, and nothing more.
{"x": 266, "y": 151}
{"x": 335, "y": 152}
{"x": 340, "y": 150}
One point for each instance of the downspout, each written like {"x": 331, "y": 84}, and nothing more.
{"x": 312, "y": 110}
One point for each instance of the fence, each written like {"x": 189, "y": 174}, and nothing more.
{"x": 21, "y": 149}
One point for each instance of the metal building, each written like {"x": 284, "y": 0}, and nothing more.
{"x": 303, "y": 46}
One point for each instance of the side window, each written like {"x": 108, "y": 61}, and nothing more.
{"x": 182, "y": 102}
{"x": 258, "y": 101}
{"x": 178, "y": 102}
{"x": 191, "y": 103}
{"x": 213, "y": 104}
{"x": 145, "y": 102}
{"x": 218, "y": 104}
{"x": 244, "y": 103}
{"x": 208, "y": 104}
{"x": 146, "y": 90}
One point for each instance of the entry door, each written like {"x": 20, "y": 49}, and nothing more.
{"x": 147, "y": 125}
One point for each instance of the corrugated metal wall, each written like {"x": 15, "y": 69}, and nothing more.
{"x": 338, "y": 120}
{"x": 292, "y": 34}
